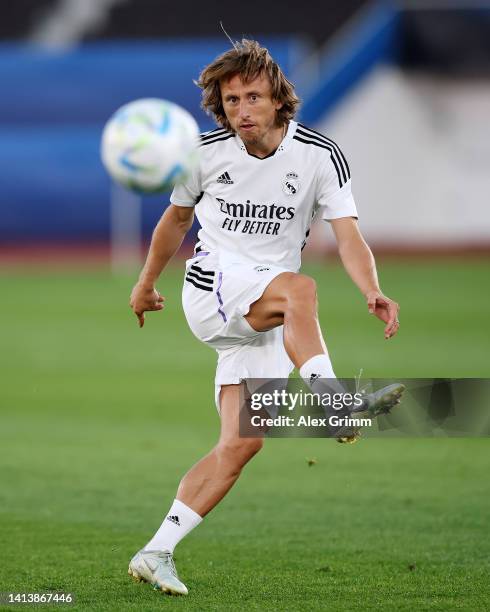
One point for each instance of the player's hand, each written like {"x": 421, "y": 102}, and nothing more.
{"x": 385, "y": 309}
{"x": 143, "y": 299}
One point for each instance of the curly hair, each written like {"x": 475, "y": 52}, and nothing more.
{"x": 249, "y": 60}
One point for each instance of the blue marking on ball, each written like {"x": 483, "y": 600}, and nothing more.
{"x": 174, "y": 173}
{"x": 124, "y": 161}
{"x": 165, "y": 123}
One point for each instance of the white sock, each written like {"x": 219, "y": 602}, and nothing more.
{"x": 179, "y": 521}
{"x": 320, "y": 366}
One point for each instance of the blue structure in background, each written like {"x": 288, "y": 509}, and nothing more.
{"x": 54, "y": 105}
{"x": 86, "y": 84}
{"x": 52, "y": 110}
{"x": 373, "y": 37}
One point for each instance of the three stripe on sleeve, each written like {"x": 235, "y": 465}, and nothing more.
{"x": 215, "y": 136}
{"x": 202, "y": 279}
{"x": 309, "y": 136}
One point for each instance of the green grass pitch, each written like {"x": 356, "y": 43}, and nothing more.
{"x": 100, "y": 419}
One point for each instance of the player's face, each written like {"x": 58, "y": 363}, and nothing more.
{"x": 249, "y": 108}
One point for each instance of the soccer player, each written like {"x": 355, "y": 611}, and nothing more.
{"x": 261, "y": 179}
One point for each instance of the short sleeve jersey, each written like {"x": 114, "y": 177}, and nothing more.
{"x": 260, "y": 210}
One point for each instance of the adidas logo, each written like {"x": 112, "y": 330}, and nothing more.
{"x": 314, "y": 377}
{"x": 174, "y": 519}
{"x": 225, "y": 178}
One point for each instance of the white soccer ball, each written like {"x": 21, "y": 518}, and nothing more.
{"x": 150, "y": 145}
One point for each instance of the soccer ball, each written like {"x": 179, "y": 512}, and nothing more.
{"x": 150, "y": 145}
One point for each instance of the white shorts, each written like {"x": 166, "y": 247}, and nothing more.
{"x": 216, "y": 299}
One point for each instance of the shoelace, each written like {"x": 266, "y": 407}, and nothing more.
{"x": 367, "y": 388}
{"x": 169, "y": 561}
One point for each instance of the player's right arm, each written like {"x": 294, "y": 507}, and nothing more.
{"x": 167, "y": 237}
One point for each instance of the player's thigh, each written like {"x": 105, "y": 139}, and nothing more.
{"x": 285, "y": 290}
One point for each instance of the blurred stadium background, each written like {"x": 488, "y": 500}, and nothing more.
{"x": 404, "y": 88}
{"x": 99, "y": 420}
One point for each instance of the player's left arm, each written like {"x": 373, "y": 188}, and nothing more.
{"x": 359, "y": 263}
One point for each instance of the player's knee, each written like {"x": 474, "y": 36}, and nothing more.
{"x": 301, "y": 290}
{"x": 248, "y": 447}
{"x": 240, "y": 450}
{"x": 251, "y": 448}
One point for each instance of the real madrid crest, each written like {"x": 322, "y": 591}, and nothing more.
{"x": 291, "y": 184}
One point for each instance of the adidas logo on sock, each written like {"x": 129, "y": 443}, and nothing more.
{"x": 225, "y": 178}
{"x": 174, "y": 519}
{"x": 314, "y": 377}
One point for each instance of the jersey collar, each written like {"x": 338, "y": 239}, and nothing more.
{"x": 285, "y": 143}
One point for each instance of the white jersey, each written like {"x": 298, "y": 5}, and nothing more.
{"x": 260, "y": 210}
